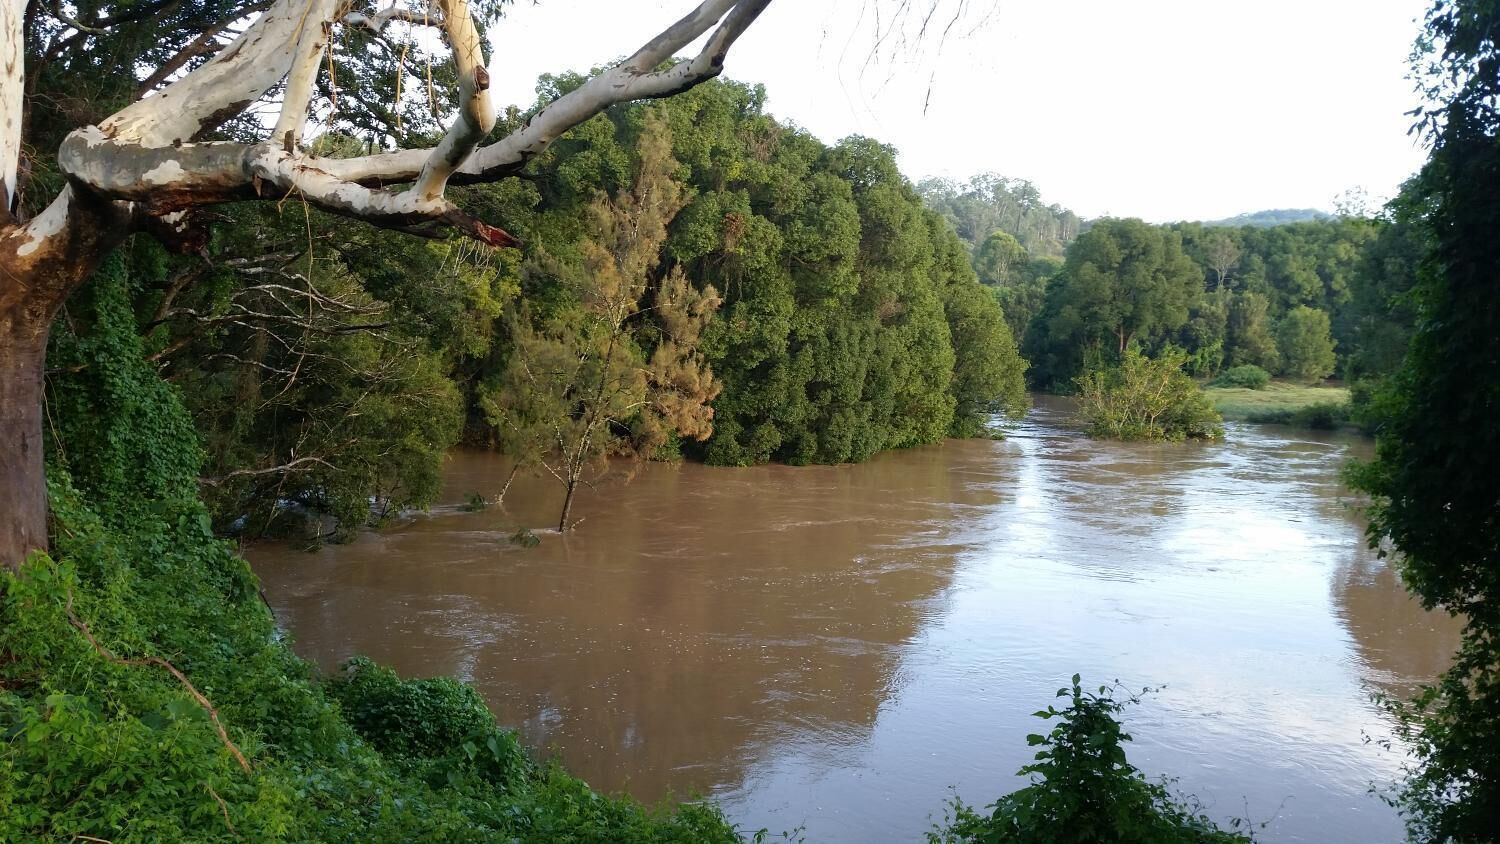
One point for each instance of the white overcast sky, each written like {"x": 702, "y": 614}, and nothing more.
{"x": 1161, "y": 109}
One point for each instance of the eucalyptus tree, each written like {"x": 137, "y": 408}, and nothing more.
{"x": 214, "y": 101}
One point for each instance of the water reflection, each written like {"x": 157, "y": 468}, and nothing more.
{"x": 836, "y": 646}
{"x": 696, "y": 618}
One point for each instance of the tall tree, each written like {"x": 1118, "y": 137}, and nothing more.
{"x": 998, "y": 257}
{"x": 1250, "y": 339}
{"x": 579, "y": 388}
{"x": 1222, "y": 255}
{"x": 197, "y": 141}
{"x": 1436, "y": 477}
{"x": 1123, "y": 281}
{"x": 1305, "y": 345}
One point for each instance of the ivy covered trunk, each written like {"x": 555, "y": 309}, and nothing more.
{"x": 23, "y": 488}
{"x": 41, "y": 263}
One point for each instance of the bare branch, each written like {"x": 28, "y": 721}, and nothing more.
{"x": 301, "y": 464}
{"x": 632, "y": 79}
{"x": 213, "y": 714}
{"x": 377, "y": 22}
{"x": 138, "y": 155}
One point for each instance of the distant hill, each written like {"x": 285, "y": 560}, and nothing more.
{"x": 1273, "y": 217}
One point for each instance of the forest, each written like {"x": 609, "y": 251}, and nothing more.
{"x": 794, "y": 302}
{"x": 681, "y": 277}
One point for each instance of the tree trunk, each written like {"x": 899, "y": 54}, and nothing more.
{"x": 41, "y": 263}
{"x": 23, "y": 486}
{"x": 562, "y": 521}
{"x": 500, "y": 499}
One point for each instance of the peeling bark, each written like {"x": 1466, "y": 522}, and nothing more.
{"x": 12, "y": 96}
{"x": 313, "y": 35}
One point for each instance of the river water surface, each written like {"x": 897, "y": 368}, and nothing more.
{"x": 840, "y": 648}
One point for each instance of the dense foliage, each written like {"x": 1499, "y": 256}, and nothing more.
{"x": 1248, "y": 376}
{"x": 1124, "y": 281}
{"x": 1141, "y": 398}
{"x": 124, "y": 654}
{"x": 800, "y": 305}
{"x": 1436, "y": 478}
{"x": 1084, "y": 790}
{"x": 989, "y": 203}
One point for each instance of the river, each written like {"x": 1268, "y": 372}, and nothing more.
{"x": 839, "y": 648}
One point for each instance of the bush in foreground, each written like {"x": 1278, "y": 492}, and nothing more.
{"x": 1146, "y": 399}
{"x": 1084, "y": 790}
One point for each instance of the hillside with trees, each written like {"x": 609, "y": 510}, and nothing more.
{"x": 1270, "y": 217}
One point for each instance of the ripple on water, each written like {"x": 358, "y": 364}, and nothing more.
{"x": 835, "y": 647}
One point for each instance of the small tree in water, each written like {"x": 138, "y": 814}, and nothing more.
{"x": 1084, "y": 790}
{"x": 1146, "y": 399}
{"x": 579, "y": 386}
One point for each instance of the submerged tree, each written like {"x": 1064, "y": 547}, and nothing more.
{"x": 193, "y": 137}
{"x": 578, "y": 387}
{"x": 1145, "y": 399}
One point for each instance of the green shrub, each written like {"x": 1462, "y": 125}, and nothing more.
{"x": 1145, "y": 399}
{"x": 408, "y": 717}
{"x": 1248, "y": 376}
{"x": 1273, "y": 416}
{"x": 1323, "y": 416}
{"x": 1083, "y": 789}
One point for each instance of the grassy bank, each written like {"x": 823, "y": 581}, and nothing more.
{"x": 1283, "y": 402}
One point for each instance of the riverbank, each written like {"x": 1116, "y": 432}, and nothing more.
{"x": 1285, "y": 403}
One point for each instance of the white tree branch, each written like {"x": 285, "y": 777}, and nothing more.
{"x": 377, "y": 22}
{"x": 312, "y": 40}
{"x": 12, "y": 93}
{"x": 257, "y": 61}
{"x": 633, "y": 79}
{"x": 476, "y": 114}
{"x": 139, "y": 156}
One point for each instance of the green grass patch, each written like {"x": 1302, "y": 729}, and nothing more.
{"x": 1277, "y": 401}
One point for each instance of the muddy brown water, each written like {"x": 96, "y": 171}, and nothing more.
{"x": 840, "y": 648}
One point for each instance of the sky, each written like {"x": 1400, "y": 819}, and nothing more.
{"x": 1160, "y": 109}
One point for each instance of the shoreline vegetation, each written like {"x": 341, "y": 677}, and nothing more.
{"x": 795, "y": 301}
{"x": 1321, "y": 406}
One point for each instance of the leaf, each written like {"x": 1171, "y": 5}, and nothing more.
{"x": 1034, "y": 739}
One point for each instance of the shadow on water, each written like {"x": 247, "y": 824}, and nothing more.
{"x": 836, "y": 646}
